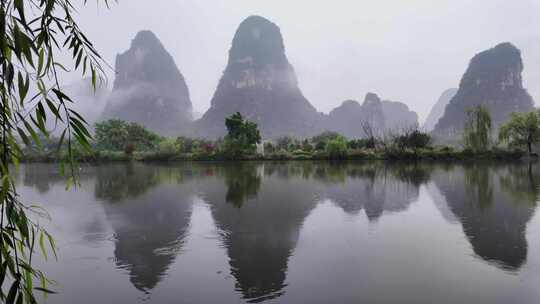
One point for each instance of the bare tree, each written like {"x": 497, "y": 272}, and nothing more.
{"x": 369, "y": 133}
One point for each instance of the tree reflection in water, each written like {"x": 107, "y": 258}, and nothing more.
{"x": 260, "y": 209}
{"x": 494, "y": 203}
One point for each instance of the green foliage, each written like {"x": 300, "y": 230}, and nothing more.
{"x": 321, "y": 141}
{"x": 306, "y": 146}
{"x": 364, "y": 143}
{"x": 413, "y": 140}
{"x": 523, "y": 129}
{"x": 284, "y": 143}
{"x": 242, "y": 137}
{"x": 337, "y": 148}
{"x": 32, "y": 34}
{"x": 243, "y": 183}
{"x": 186, "y": 144}
{"x": 111, "y": 135}
{"x": 477, "y": 132}
{"x": 320, "y": 146}
{"x": 325, "y": 137}
{"x": 353, "y": 144}
{"x": 116, "y": 135}
{"x": 142, "y": 138}
{"x": 169, "y": 146}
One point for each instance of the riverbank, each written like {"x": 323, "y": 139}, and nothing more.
{"x": 407, "y": 155}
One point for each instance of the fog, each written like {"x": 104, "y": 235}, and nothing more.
{"x": 409, "y": 51}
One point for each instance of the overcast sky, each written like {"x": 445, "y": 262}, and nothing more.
{"x": 403, "y": 50}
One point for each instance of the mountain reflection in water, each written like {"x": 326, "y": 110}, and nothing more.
{"x": 260, "y": 210}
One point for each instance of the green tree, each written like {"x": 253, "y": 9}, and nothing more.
{"x": 32, "y": 35}
{"x": 186, "y": 144}
{"x": 413, "y": 139}
{"x": 477, "y": 132}
{"x": 306, "y": 146}
{"x": 141, "y": 137}
{"x": 243, "y": 136}
{"x": 325, "y": 137}
{"x": 337, "y": 148}
{"x": 169, "y": 146}
{"x": 111, "y": 135}
{"x": 116, "y": 135}
{"x": 523, "y": 129}
{"x": 320, "y": 146}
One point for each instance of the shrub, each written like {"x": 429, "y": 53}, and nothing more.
{"x": 413, "y": 140}
{"x": 320, "y": 146}
{"x": 337, "y": 148}
{"x": 279, "y": 155}
{"x": 169, "y": 146}
{"x": 306, "y": 146}
{"x": 320, "y": 155}
{"x": 358, "y": 154}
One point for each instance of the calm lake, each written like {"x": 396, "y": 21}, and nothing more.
{"x": 292, "y": 232}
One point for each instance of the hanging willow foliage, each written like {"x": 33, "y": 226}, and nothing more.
{"x": 477, "y": 132}
{"x": 32, "y": 34}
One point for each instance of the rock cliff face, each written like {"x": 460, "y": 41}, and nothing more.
{"x": 260, "y": 83}
{"x": 398, "y": 116}
{"x": 347, "y": 119}
{"x": 149, "y": 89}
{"x": 438, "y": 109}
{"x": 493, "y": 79}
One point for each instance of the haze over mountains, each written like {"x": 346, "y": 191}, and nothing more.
{"x": 261, "y": 83}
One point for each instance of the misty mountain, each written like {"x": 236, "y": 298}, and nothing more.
{"x": 493, "y": 79}
{"x": 437, "y": 110}
{"x": 398, "y": 116}
{"x": 260, "y": 83}
{"x": 347, "y": 119}
{"x": 149, "y": 88}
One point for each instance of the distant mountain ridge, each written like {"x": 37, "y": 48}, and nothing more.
{"x": 347, "y": 119}
{"x": 398, "y": 116}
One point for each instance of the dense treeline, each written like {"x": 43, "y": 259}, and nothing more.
{"x": 120, "y": 140}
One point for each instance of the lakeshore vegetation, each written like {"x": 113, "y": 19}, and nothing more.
{"x": 118, "y": 140}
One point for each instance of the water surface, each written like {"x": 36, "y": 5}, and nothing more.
{"x": 292, "y": 232}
